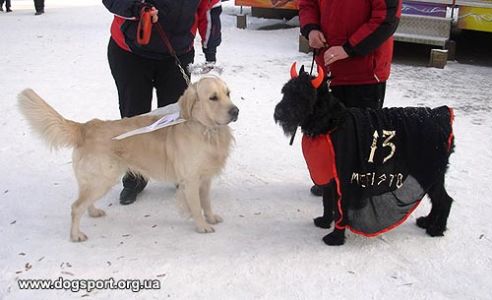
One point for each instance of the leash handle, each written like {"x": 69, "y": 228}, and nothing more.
{"x": 144, "y": 29}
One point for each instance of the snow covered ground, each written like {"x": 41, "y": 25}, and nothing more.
{"x": 267, "y": 247}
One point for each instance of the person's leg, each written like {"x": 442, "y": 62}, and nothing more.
{"x": 39, "y": 6}
{"x": 134, "y": 80}
{"x": 381, "y": 92}
{"x": 133, "y": 76}
{"x": 7, "y": 5}
{"x": 170, "y": 83}
{"x": 213, "y": 36}
{"x": 367, "y": 95}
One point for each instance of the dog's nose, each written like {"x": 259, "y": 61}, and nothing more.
{"x": 234, "y": 112}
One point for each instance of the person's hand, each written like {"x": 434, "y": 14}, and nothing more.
{"x": 154, "y": 14}
{"x": 317, "y": 39}
{"x": 279, "y": 3}
{"x": 333, "y": 54}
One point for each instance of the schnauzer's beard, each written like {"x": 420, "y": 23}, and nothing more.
{"x": 289, "y": 129}
{"x": 287, "y": 119}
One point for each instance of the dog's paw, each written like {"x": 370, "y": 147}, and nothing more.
{"x": 423, "y": 222}
{"x": 430, "y": 226}
{"x": 435, "y": 231}
{"x": 213, "y": 219}
{"x": 96, "y": 213}
{"x": 334, "y": 239}
{"x": 78, "y": 237}
{"x": 204, "y": 228}
{"x": 322, "y": 222}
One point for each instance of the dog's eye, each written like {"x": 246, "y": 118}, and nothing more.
{"x": 214, "y": 98}
{"x": 228, "y": 93}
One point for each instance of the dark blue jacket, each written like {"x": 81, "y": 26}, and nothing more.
{"x": 177, "y": 18}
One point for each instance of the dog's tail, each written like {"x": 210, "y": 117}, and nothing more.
{"x": 50, "y": 125}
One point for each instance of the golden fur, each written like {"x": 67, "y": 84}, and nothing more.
{"x": 189, "y": 153}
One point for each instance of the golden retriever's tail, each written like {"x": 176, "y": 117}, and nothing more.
{"x": 50, "y": 125}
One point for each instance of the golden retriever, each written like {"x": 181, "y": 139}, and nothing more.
{"x": 189, "y": 154}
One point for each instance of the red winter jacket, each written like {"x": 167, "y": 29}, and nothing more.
{"x": 363, "y": 27}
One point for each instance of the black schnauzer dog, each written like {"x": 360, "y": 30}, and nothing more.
{"x": 375, "y": 165}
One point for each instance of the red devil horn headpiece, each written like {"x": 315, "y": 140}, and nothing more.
{"x": 315, "y": 82}
{"x": 293, "y": 71}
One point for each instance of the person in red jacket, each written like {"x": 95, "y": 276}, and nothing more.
{"x": 139, "y": 69}
{"x": 354, "y": 44}
{"x": 209, "y": 27}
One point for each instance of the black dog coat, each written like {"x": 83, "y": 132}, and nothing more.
{"x": 374, "y": 157}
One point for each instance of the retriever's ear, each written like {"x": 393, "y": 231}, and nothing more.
{"x": 187, "y": 101}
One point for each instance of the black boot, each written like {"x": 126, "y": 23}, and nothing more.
{"x": 317, "y": 190}
{"x": 132, "y": 185}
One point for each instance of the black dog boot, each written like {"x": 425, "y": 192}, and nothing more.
{"x": 322, "y": 222}
{"x": 133, "y": 184}
{"x": 317, "y": 190}
{"x": 336, "y": 238}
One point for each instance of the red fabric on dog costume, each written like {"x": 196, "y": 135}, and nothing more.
{"x": 372, "y": 158}
{"x": 320, "y": 158}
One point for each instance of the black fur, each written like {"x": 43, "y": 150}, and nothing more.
{"x": 318, "y": 112}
